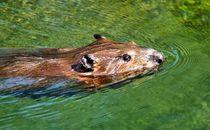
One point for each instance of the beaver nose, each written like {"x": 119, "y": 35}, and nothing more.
{"x": 157, "y": 58}
{"x": 159, "y": 61}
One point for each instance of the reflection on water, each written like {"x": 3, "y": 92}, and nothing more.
{"x": 177, "y": 97}
{"x": 11, "y": 82}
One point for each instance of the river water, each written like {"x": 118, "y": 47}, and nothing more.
{"x": 177, "y": 97}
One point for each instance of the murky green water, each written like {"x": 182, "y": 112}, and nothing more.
{"x": 178, "y": 97}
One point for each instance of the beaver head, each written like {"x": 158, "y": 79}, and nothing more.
{"x": 105, "y": 58}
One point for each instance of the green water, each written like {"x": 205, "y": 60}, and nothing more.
{"x": 178, "y": 97}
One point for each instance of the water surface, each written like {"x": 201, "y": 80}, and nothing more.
{"x": 178, "y": 97}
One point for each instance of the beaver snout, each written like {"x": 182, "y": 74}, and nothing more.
{"x": 157, "y": 59}
{"x": 156, "y": 56}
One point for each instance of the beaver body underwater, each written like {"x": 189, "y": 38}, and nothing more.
{"x": 100, "y": 63}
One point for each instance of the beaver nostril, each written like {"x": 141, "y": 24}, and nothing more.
{"x": 159, "y": 61}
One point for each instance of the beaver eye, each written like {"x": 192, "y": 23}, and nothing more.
{"x": 126, "y": 57}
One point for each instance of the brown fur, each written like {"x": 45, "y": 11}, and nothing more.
{"x": 108, "y": 66}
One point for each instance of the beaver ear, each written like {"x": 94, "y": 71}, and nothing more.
{"x": 85, "y": 65}
{"x": 87, "y": 62}
{"x": 98, "y": 37}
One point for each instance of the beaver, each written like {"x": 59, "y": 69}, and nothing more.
{"x": 100, "y": 63}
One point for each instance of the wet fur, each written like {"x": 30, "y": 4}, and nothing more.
{"x": 50, "y": 64}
